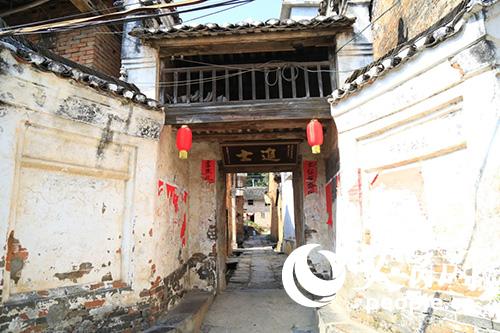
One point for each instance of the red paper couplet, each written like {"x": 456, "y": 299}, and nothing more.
{"x": 310, "y": 177}
{"x": 208, "y": 171}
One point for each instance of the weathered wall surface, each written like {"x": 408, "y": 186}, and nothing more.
{"x": 86, "y": 246}
{"x": 315, "y": 215}
{"x": 405, "y": 20}
{"x": 419, "y": 191}
{"x": 203, "y": 227}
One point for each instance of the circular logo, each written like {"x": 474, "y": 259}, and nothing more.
{"x": 297, "y": 269}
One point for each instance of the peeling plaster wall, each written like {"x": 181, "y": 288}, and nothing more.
{"x": 315, "y": 216}
{"x": 203, "y": 229}
{"x": 78, "y": 172}
{"x": 418, "y": 207}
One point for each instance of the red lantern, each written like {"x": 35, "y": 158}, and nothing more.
{"x": 184, "y": 141}
{"x": 315, "y": 135}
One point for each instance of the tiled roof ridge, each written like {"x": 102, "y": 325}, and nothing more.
{"x": 47, "y": 61}
{"x": 447, "y": 27}
{"x": 270, "y": 25}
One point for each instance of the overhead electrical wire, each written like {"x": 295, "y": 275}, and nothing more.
{"x": 128, "y": 18}
{"x": 183, "y": 22}
{"x": 55, "y": 19}
{"x": 235, "y": 3}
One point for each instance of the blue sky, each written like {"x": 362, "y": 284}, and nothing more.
{"x": 259, "y": 10}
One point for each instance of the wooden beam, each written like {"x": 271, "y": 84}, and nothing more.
{"x": 298, "y": 204}
{"x": 260, "y": 168}
{"x": 255, "y": 127}
{"x": 241, "y": 127}
{"x": 250, "y": 43}
{"x": 89, "y": 6}
{"x": 249, "y": 136}
{"x": 259, "y": 111}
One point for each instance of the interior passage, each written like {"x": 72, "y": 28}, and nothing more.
{"x": 255, "y": 300}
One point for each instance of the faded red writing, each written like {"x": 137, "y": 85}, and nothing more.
{"x": 208, "y": 171}
{"x": 310, "y": 177}
{"x": 329, "y": 202}
{"x": 183, "y": 230}
{"x": 175, "y": 202}
{"x": 161, "y": 186}
{"x": 170, "y": 190}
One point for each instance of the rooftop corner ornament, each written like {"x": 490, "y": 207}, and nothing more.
{"x": 315, "y": 135}
{"x": 184, "y": 141}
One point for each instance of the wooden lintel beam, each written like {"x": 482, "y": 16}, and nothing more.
{"x": 250, "y": 136}
{"x": 254, "y": 126}
{"x": 261, "y": 168}
{"x": 244, "y": 43}
{"x": 260, "y": 112}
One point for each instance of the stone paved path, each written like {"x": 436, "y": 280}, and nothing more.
{"x": 254, "y": 300}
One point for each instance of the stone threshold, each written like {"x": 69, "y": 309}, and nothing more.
{"x": 187, "y": 316}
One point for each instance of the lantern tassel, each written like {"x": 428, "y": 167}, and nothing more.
{"x": 316, "y": 149}
{"x": 183, "y": 154}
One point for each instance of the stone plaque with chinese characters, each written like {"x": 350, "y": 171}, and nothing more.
{"x": 260, "y": 153}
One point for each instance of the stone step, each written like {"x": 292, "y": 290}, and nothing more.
{"x": 187, "y": 316}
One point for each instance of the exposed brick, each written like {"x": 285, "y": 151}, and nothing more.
{"x": 96, "y": 286}
{"x": 43, "y": 313}
{"x": 94, "y": 304}
{"x": 119, "y": 284}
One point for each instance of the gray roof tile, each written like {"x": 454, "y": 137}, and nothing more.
{"x": 214, "y": 29}
{"x": 446, "y": 28}
{"x": 47, "y": 61}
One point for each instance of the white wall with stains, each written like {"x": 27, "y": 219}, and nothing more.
{"x": 418, "y": 206}
{"x": 79, "y": 223}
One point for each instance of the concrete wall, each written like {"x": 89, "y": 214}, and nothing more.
{"x": 418, "y": 207}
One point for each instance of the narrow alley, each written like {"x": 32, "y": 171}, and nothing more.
{"x": 250, "y": 166}
{"x": 255, "y": 299}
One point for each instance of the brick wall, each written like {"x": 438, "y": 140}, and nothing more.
{"x": 406, "y": 20}
{"x": 98, "y": 48}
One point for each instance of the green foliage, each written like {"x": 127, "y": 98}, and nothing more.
{"x": 257, "y": 179}
{"x": 257, "y": 227}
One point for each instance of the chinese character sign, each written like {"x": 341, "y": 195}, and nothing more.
{"x": 310, "y": 177}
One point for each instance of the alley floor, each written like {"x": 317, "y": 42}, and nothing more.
{"x": 255, "y": 300}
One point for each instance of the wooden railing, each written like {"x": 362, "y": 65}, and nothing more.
{"x": 269, "y": 81}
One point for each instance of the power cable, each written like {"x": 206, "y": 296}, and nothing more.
{"x": 129, "y": 18}
{"x": 369, "y": 25}
{"x": 55, "y": 19}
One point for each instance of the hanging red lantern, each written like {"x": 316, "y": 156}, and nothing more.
{"x": 315, "y": 135}
{"x": 184, "y": 141}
